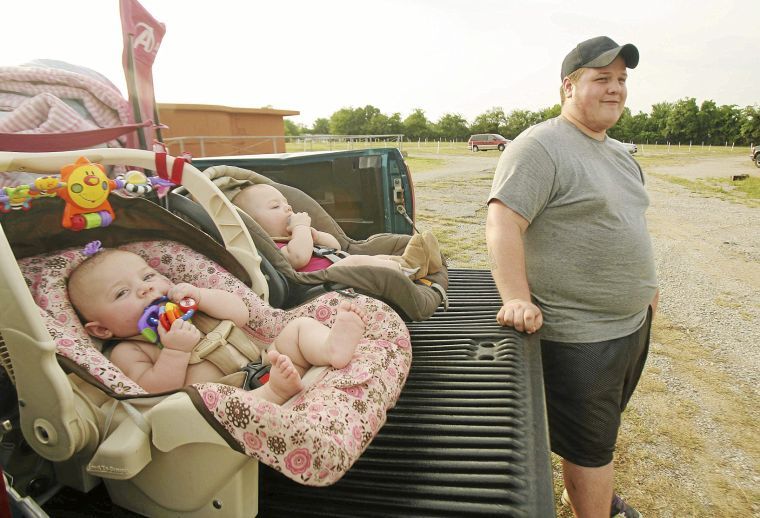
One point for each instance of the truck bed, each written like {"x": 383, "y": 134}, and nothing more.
{"x": 467, "y": 437}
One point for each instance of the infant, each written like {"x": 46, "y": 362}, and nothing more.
{"x": 111, "y": 289}
{"x": 296, "y": 238}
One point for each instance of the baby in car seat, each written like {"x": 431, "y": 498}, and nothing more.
{"x": 111, "y": 289}
{"x": 296, "y": 238}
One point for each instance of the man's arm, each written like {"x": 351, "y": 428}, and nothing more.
{"x": 506, "y": 254}
{"x": 655, "y": 301}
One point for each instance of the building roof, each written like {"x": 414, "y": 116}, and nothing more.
{"x": 221, "y": 108}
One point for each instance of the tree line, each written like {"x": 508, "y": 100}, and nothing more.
{"x": 682, "y": 121}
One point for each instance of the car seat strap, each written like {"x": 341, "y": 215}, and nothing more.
{"x": 225, "y": 345}
{"x": 332, "y": 254}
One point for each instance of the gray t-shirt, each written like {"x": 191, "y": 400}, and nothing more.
{"x": 588, "y": 253}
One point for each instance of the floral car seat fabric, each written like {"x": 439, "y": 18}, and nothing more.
{"x": 416, "y": 300}
{"x": 316, "y": 436}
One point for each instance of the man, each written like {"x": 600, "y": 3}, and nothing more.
{"x": 571, "y": 256}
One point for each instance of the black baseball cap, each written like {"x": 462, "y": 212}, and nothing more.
{"x": 597, "y": 53}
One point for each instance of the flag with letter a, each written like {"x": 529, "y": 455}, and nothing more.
{"x": 142, "y": 37}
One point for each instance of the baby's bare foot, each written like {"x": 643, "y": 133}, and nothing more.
{"x": 345, "y": 334}
{"x": 284, "y": 380}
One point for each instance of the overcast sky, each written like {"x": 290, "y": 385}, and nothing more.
{"x": 442, "y": 56}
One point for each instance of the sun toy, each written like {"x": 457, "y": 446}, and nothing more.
{"x": 163, "y": 312}
{"x": 86, "y": 189}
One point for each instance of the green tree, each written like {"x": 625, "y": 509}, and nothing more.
{"x": 416, "y": 125}
{"x": 750, "y": 125}
{"x": 321, "y": 126}
{"x": 683, "y": 121}
{"x": 517, "y": 121}
{"x": 353, "y": 121}
{"x": 658, "y": 121}
{"x": 291, "y": 128}
{"x": 622, "y": 130}
{"x": 490, "y": 121}
{"x": 728, "y": 124}
{"x": 452, "y": 126}
{"x": 550, "y": 113}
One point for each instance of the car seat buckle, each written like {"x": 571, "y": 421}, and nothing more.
{"x": 256, "y": 375}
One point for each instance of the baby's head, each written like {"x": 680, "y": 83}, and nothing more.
{"x": 111, "y": 289}
{"x": 267, "y": 206}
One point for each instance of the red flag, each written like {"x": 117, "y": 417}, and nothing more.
{"x": 142, "y": 37}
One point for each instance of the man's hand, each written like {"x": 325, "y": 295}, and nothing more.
{"x": 523, "y": 315}
{"x": 181, "y": 336}
{"x": 183, "y": 290}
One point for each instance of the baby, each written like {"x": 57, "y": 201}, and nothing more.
{"x": 112, "y": 288}
{"x": 296, "y": 237}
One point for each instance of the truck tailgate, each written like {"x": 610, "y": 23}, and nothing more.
{"x": 468, "y": 436}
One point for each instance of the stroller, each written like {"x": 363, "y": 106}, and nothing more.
{"x": 193, "y": 451}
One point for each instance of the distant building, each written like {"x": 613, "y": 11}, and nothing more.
{"x": 207, "y": 130}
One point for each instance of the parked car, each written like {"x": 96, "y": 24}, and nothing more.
{"x": 755, "y": 155}
{"x": 486, "y": 141}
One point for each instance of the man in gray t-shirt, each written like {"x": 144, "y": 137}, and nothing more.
{"x": 571, "y": 256}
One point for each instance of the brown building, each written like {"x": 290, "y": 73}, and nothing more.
{"x": 212, "y": 130}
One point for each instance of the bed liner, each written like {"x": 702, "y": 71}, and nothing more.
{"x": 467, "y": 437}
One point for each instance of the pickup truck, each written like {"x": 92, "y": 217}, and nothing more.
{"x": 468, "y": 436}
{"x": 755, "y": 155}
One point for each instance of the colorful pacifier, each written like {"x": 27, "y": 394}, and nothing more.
{"x": 162, "y": 311}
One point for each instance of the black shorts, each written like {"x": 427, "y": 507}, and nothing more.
{"x": 587, "y": 387}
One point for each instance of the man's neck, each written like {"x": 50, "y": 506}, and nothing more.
{"x": 596, "y": 135}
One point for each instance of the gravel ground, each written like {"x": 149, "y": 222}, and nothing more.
{"x": 708, "y": 264}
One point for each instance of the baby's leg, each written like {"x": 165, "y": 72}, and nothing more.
{"x": 284, "y": 380}
{"x": 382, "y": 261}
{"x": 308, "y": 342}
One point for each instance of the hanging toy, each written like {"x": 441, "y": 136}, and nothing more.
{"x": 84, "y": 187}
{"x": 136, "y": 182}
{"x": 85, "y": 191}
{"x": 164, "y": 313}
{"x": 46, "y": 187}
{"x": 15, "y": 198}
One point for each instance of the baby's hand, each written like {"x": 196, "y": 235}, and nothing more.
{"x": 181, "y": 336}
{"x": 183, "y": 290}
{"x": 299, "y": 218}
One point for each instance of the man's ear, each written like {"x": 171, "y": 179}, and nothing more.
{"x": 568, "y": 86}
{"x": 97, "y": 330}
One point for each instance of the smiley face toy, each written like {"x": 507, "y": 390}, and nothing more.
{"x": 85, "y": 191}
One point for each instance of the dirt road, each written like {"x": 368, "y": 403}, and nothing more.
{"x": 688, "y": 444}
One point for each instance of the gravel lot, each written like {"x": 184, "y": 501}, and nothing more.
{"x": 702, "y": 378}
